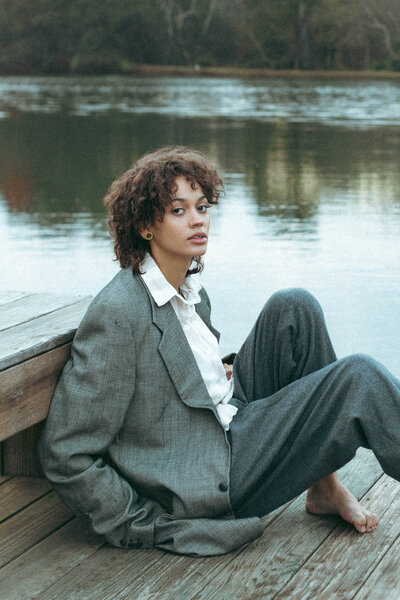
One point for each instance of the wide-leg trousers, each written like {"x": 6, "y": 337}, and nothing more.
{"x": 302, "y": 413}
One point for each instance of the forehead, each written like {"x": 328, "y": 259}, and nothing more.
{"x": 186, "y": 189}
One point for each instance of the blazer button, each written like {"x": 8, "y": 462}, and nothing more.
{"x": 223, "y": 487}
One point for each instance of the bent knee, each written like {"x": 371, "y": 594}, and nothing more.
{"x": 363, "y": 363}
{"x": 293, "y": 297}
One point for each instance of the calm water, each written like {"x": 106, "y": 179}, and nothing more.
{"x": 312, "y": 190}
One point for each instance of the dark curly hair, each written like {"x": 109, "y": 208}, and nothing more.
{"x": 139, "y": 197}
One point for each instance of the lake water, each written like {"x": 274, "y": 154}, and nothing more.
{"x": 312, "y": 190}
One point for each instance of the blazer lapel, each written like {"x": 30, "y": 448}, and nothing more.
{"x": 178, "y": 358}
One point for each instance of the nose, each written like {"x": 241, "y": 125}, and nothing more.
{"x": 196, "y": 219}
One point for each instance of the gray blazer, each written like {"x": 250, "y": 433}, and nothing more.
{"x": 132, "y": 443}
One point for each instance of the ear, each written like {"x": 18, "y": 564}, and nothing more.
{"x": 146, "y": 234}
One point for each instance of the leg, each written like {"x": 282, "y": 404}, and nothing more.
{"x": 288, "y": 341}
{"x": 306, "y": 431}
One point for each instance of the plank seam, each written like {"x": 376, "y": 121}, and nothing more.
{"x": 339, "y": 524}
{"x": 10, "y": 516}
{"x": 38, "y": 541}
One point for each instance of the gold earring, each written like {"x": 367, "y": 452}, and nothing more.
{"x": 149, "y": 235}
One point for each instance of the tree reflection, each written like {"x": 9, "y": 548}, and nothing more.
{"x": 57, "y": 167}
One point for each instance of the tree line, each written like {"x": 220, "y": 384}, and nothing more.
{"x": 102, "y": 36}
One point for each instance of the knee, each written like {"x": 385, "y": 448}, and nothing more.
{"x": 293, "y": 298}
{"x": 364, "y": 368}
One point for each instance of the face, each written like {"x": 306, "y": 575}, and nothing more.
{"x": 183, "y": 231}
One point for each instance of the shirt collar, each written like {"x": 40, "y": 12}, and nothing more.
{"x": 161, "y": 290}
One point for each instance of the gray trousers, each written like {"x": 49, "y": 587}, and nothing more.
{"x": 302, "y": 413}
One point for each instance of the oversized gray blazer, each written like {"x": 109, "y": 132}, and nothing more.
{"x": 132, "y": 443}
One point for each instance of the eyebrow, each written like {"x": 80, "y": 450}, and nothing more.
{"x": 184, "y": 199}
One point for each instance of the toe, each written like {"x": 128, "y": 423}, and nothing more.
{"x": 366, "y": 523}
{"x": 361, "y": 523}
{"x": 372, "y": 522}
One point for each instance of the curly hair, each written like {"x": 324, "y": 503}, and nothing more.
{"x": 140, "y": 195}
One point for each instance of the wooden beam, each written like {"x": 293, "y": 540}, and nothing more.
{"x": 26, "y": 390}
{"x": 40, "y": 335}
{"x": 24, "y": 309}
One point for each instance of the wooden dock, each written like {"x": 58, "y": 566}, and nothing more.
{"x": 46, "y": 553}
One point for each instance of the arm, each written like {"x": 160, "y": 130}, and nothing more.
{"x": 87, "y": 412}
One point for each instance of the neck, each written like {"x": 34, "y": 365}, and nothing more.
{"x": 174, "y": 271}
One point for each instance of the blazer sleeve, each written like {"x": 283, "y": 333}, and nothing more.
{"x": 86, "y": 413}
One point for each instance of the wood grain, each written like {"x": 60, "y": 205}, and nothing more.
{"x": 339, "y": 565}
{"x": 28, "y": 527}
{"x": 384, "y": 583}
{"x": 27, "y": 576}
{"x": 27, "y": 388}
{"x": 40, "y": 335}
{"x": 258, "y": 570}
{"x": 8, "y": 296}
{"x": 20, "y": 453}
{"x": 29, "y": 307}
{"x": 18, "y": 492}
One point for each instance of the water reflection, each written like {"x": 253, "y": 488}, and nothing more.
{"x": 59, "y": 165}
{"x": 311, "y": 201}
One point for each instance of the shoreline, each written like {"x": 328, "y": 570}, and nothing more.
{"x": 243, "y": 72}
{"x": 145, "y": 70}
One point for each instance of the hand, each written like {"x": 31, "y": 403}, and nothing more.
{"x": 228, "y": 370}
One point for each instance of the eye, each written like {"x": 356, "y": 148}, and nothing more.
{"x": 177, "y": 211}
{"x": 203, "y": 208}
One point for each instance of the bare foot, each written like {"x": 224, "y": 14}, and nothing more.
{"x": 330, "y": 497}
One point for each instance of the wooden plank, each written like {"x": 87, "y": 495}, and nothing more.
{"x": 6, "y": 296}
{"x": 28, "y": 575}
{"x": 142, "y": 575}
{"x": 267, "y": 564}
{"x": 40, "y": 335}
{"x": 384, "y": 583}
{"x": 4, "y": 478}
{"x": 103, "y": 574}
{"x": 341, "y": 563}
{"x": 20, "y": 453}
{"x": 27, "y": 388}
{"x": 18, "y": 492}
{"x": 118, "y": 568}
{"x": 28, "y": 527}
{"x": 30, "y": 307}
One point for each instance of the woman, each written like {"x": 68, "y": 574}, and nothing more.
{"x": 149, "y": 438}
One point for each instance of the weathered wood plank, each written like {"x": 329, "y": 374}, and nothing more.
{"x": 340, "y": 564}
{"x": 8, "y": 296}
{"x": 4, "y": 478}
{"x": 263, "y": 568}
{"x": 119, "y": 569}
{"x": 28, "y": 527}
{"x": 28, "y": 575}
{"x": 20, "y": 453}
{"x": 30, "y": 307}
{"x": 104, "y": 574}
{"x": 26, "y": 390}
{"x": 384, "y": 583}
{"x": 143, "y": 575}
{"x": 18, "y": 492}
{"x": 40, "y": 335}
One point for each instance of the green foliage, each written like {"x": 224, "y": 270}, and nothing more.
{"x": 52, "y": 36}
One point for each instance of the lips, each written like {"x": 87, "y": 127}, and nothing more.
{"x": 198, "y": 236}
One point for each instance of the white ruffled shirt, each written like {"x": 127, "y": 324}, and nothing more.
{"x": 202, "y": 342}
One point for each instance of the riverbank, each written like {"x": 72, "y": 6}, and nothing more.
{"x": 240, "y": 72}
